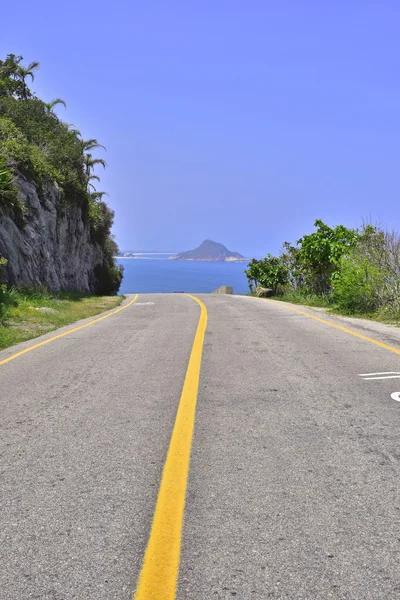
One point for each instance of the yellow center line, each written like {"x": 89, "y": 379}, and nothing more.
{"x": 60, "y": 335}
{"x": 359, "y": 335}
{"x": 159, "y": 575}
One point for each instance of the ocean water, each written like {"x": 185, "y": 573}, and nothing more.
{"x": 151, "y": 273}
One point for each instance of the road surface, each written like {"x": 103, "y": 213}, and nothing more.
{"x": 293, "y": 488}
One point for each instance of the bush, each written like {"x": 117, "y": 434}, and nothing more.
{"x": 8, "y": 191}
{"x": 356, "y": 271}
{"x": 270, "y": 272}
{"x": 108, "y": 279}
{"x": 360, "y": 286}
{"x": 6, "y": 295}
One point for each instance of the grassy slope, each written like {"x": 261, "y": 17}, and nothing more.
{"x": 22, "y": 321}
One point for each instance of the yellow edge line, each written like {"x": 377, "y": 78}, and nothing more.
{"x": 60, "y": 335}
{"x": 159, "y": 574}
{"x": 359, "y": 335}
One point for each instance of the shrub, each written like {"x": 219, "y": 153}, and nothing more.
{"x": 270, "y": 272}
{"x": 108, "y": 279}
{"x": 360, "y": 286}
{"x": 6, "y": 295}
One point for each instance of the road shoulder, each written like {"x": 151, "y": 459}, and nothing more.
{"x": 16, "y": 348}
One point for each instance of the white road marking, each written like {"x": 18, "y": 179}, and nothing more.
{"x": 388, "y": 377}
{"x": 143, "y": 303}
{"x": 383, "y": 375}
{"x": 396, "y": 396}
{"x": 380, "y": 373}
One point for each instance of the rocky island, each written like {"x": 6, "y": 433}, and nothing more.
{"x": 210, "y": 251}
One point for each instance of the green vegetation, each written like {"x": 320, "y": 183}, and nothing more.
{"x": 21, "y": 320}
{"x": 351, "y": 271}
{"x": 36, "y": 143}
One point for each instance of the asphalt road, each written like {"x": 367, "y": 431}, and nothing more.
{"x": 293, "y": 489}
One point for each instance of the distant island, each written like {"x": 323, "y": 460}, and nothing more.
{"x": 210, "y": 251}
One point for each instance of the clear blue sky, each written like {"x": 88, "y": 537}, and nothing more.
{"x": 236, "y": 121}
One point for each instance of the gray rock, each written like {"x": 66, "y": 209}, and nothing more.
{"x": 262, "y": 292}
{"x": 46, "y": 309}
{"x": 54, "y": 248}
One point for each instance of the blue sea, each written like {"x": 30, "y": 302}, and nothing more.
{"x": 149, "y": 273}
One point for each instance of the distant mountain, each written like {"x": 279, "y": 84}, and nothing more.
{"x": 209, "y": 250}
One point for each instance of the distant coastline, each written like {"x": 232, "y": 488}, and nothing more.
{"x": 131, "y": 253}
{"x": 208, "y": 251}
{"x": 227, "y": 259}
{"x": 171, "y": 256}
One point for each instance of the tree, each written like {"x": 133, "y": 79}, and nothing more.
{"x": 290, "y": 257}
{"x": 319, "y": 254}
{"x": 10, "y": 83}
{"x": 9, "y": 67}
{"x": 253, "y": 273}
{"x": 274, "y": 272}
{"x": 270, "y": 272}
{"x": 13, "y": 77}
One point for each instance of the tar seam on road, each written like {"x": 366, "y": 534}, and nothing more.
{"x": 60, "y": 335}
{"x": 159, "y": 574}
{"x": 359, "y": 335}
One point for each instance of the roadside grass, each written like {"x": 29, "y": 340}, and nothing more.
{"x": 389, "y": 315}
{"x": 22, "y": 321}
{"x": 306, "y": 299}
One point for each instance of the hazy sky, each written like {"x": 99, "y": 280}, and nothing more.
{"x": 239, "y": 121}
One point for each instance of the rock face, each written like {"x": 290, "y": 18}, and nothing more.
{"x": 53, "y": 248}
{"x": 209, "y": 250}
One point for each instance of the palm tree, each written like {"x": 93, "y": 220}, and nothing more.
{"x": 75, "y": 132}
{"x": 72, "y": 129}
{"x": 50, "y": 105}
{"x": 89, "y": 162}
{"x": 24, "y": 72}
{"x": 91, "y": 145}
{"x": 90, "y": 178}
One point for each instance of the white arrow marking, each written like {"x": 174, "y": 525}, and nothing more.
{"x": 396, "y": 396}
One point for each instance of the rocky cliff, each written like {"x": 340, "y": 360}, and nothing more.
{"x": 53, "y": 247}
